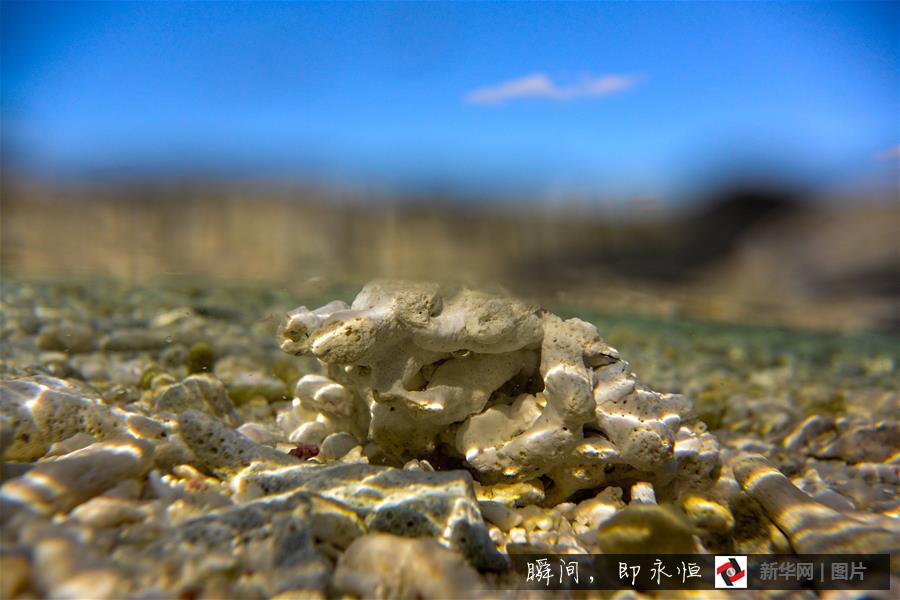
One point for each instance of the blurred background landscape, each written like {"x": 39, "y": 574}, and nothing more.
{"x": 725, "y": 161}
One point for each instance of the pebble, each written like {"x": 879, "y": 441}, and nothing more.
{"x": 643, "y": 493}
{"x": 60, "y": 485}
{"x": 388, "y": 566}
{"x": 646, "y": 529}
{"x": 219, "y": 449}
{"x": 16, "y": 572}
{"x": 311, "y": 432}
{"x": 105, "y": 512}
{"x": 337, "y": 445}
{"x": 257, "y": 434}
{"x": 708, "y": 515}
{"x": 512, "y": 494}
{"x": 66, "y": 338}
{"x": 498, "y": 514}
{"x": 76, "y": 442}
{"x": 135, "y": 340}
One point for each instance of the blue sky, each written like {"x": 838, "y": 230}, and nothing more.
{"x": 617, "y": 99}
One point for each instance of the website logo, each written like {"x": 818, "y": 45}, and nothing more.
{"x": 731, "y": 572}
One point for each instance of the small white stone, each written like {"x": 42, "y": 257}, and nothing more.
{"x": 336, "y": 445}
{"x": 418, "y": 465}
{"x": 257, "y": 433}
{"x": 500, "y": 515}
{"x": 130, "y": 489}
{"x": 62, "y": 484}
{"x": 642, "y": 493}
{"x": 99, "y": 584}
{"x": 312, "y": 432}
{"x": 105, "y": 512}
{"x": 76, "y": 442}
{"x": 518, "y": 535}
{"x": 566, "y": 509}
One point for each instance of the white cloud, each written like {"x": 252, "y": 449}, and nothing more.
{"x": 539, "y": 85}
{"x": 888, "y": 154}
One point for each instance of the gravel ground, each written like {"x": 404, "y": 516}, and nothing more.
{"x": 131, "y": 510}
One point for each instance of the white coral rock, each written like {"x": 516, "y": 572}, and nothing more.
{"x": 513, "y": 390}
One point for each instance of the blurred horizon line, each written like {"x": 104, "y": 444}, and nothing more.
{"x": 143, "y": 185}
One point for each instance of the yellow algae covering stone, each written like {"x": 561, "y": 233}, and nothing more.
{"x": 646, "y": 529}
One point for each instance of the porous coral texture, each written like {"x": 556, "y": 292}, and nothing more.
{"x": 508, "y": 389}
